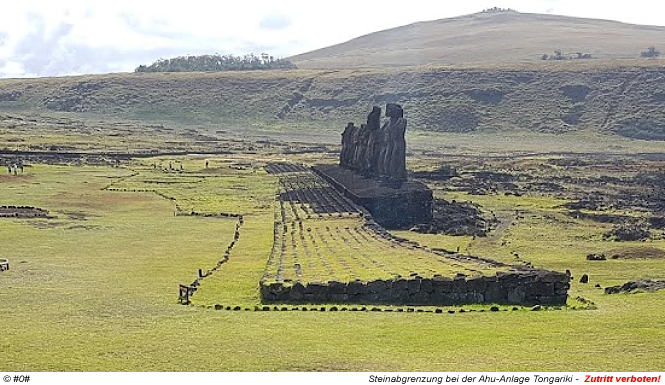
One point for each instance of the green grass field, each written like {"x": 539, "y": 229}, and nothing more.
{"x": 145, "y": 177}
{"x": 95, "y": 289}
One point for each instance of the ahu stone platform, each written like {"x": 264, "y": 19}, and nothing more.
{"x": 394, "y": 204}
{"x": 535, "y": 287}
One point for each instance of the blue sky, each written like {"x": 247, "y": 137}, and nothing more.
{"x": 69, "y": 37}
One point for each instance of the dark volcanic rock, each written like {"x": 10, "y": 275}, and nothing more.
{"x": 456, "y": 218}
{"x": 532, "y": 287}
{"x": 596, "y": 257}
{"x": 642, "y": 285}
{"x": 624, "y": 233}
{"x": 393, "y": 204}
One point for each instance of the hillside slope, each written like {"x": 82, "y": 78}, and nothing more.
{"x": 486, "y": 37}
{"x": 629, "y": 101}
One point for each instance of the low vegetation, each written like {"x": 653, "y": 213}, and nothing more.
{"x": 651, "y": 52}
{"x": 610, "y": 100}
{"x": 203, "y": 63}
{"x": 561, "y": 56}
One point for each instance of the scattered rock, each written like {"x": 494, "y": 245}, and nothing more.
{"x": 22, "y": 212}
{"x": 584, "y": 279}
{"x": 456, "y": 218}
{"x": 631, "y": 286}
{"x": 536, "y": 308}
{"x": 596, "y": 257}
{"x": 623, "y": 233}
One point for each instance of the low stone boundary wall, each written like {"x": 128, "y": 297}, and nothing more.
{"x": 186, "y": 291}
{"x": 530, "y": 287}
{"x": 22, "y": 212}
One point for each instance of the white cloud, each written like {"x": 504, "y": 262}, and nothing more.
{"x": 43, "y": 37}
{"x": 275, "y": 21}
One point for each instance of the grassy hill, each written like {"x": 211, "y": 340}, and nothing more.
{"x": 486, "y": 37}
{"x": 475, "y": 73}
{"x": 615, "y": 97}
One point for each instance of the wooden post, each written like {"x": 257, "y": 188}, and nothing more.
{"x": 184, "y": 294}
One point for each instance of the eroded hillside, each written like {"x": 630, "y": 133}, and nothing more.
{"x": 627, "y": 100}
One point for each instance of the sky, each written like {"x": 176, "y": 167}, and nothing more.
{"x": 41, "y": 38}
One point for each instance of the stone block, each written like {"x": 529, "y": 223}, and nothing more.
{"x": 419, "y": 298}
{"x": 442, "y": 284}
{"x": 516, "y": 295}
{"x": 336, "y": 287}
{"x": 413, "y": 286}
{"x": 356, "y": 287}
{"x": 338, "y": 297}
{"x": 495, "y": 293}
{"x": 458, "y": 286}
{"x": 298, "y": 287}
{"x": 426, "y": 286}
{"x": 476, "y": 284}
{"x": 377, "y": 286}
{"x": 276, "y": 288}
{"x": 471, "y": 297}
{"x": 541, "y": 288}
{"x": 296, "y": 296}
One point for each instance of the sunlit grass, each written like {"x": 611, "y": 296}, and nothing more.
{"x": 104, "y": 297}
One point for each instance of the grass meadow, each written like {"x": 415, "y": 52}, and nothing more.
{"x": 94, "y": 288}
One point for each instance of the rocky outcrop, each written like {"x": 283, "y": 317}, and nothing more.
{"x": 532, "y": 287}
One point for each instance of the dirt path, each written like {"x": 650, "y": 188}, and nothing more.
{"x": 505, "y": 219}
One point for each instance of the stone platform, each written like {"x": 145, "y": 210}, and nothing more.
{"x": 393, "y": 204}
{"x": 534, "y": 287}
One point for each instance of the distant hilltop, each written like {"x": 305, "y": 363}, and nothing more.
{"x": 495, "y": 35}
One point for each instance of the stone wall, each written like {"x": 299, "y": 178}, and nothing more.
{"x": 392, "y": 204}
{"x": 529, "y": 287}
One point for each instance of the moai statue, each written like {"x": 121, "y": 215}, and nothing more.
{"x": 348, "y": 137}
{"x": 360, "y": 147}
{"x": 383, "y": 145}
{"x": 398, "y": 151}
{"x": 394, "y": 159}
{"x": 375, "y": 149}
{"x": 371, "y": 153}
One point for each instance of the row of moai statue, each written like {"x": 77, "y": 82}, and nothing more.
{"x": 374, "y": 149}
